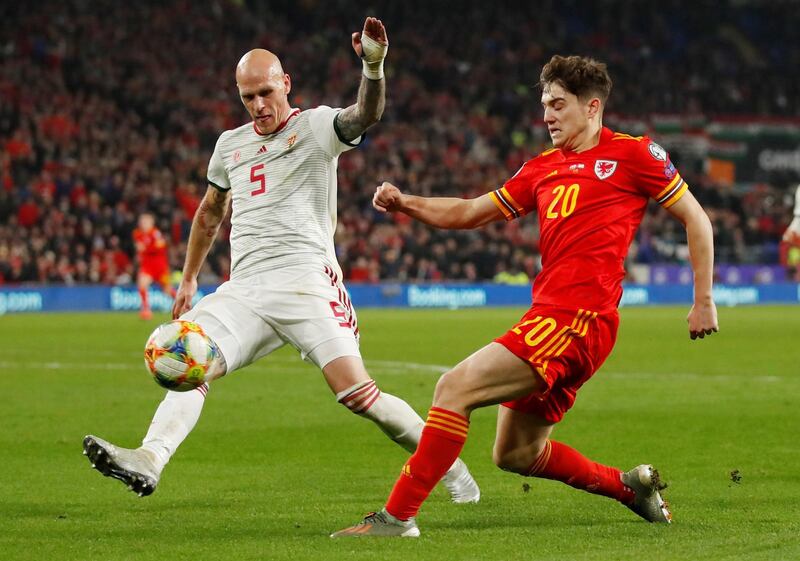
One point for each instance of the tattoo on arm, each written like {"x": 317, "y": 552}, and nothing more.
{"x": 354, "y": 120}
{"x": 212, "y": 211}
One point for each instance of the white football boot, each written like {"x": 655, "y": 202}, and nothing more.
{"x": 646, "y": 484}
{"x": 380, "y": 524}
{"x": 460, "y": 483}
{"x": 137, "y": 469}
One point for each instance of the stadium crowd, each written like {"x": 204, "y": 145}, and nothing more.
{"x": 109, "y": 109}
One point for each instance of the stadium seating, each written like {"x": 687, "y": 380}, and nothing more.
{"x": 100, "y": 122}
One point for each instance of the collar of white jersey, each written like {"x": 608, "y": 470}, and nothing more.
{"x": 292, "y": 113}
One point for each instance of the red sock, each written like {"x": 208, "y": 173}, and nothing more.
{"x": 145, "y": 301}
{"x": 442, "y": 439}
{"x": 562, "y": 463}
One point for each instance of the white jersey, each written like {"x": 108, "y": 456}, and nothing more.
{"x": 284, "y": 190}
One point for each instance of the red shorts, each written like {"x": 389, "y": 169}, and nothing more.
{"x": 565, "y": 347}
{"x": 158, "y": 271}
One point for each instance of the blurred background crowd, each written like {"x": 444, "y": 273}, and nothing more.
{"x": 109, "y": 109}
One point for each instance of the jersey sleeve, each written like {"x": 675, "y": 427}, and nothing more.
{"x": 323, "y": 124}
{"x": 217, "y": 175}
{"x": 516, "y": 197}
{"x": 656, "y": 175}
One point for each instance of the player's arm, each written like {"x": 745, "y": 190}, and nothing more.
{"x": 371, "y": 45}
{"x": 699, "y": 233}
{"x": 205, "y": 225}
{"x": 442, "y": 212}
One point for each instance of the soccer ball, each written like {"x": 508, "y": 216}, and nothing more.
{"x": 180, "y": 355}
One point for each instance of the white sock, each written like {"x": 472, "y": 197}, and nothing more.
{"x": 175, "y": 418}
{"x": 394, "y": 416}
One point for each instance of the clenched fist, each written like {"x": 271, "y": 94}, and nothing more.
{"x": 387, "y": 198}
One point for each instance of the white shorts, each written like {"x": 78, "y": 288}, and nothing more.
{"x": 306, "y": 306}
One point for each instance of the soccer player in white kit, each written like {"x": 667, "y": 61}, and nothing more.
{"x": 279, "y": 173}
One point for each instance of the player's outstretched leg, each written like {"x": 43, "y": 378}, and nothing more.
{"x": 523, "y": 446}
{"x": 140, "y": 468}
{"x": 638, "y": 489}
{"x": 402, "y": 424}
{"x": 648, "y": 503}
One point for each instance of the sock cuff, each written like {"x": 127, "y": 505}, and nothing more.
{"x": 447, "y": 423}
{"x": 541, "y": 460}
{"x": 203, "y": 389}
{"x": 359, "y": 397}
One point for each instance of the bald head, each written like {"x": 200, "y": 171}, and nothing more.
{"x": 258, "y": 63}
{"x": 264, "y": 88}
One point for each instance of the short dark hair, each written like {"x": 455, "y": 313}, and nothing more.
{"x": 582, "y": 76}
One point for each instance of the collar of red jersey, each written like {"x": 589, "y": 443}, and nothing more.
{"x": 292, "y": 113}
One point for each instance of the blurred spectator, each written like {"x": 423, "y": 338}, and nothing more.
{"x": 94, "y": 132}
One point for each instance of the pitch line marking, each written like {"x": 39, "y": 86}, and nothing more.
{"x": 391, "y": 366}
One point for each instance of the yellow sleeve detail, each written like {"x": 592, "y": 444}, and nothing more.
{"x": 511, "y": 200}
{"x": 669, "y": 187}
{"x": 501, "y": 206}
{"x": 676, "y": 197}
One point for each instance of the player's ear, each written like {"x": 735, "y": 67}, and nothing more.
{"x": 287, "y": 83}
{"x": 594, "y": 107}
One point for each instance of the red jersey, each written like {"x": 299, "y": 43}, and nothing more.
{"x": 589, "y": 205}
{"x": 151, "y": 248}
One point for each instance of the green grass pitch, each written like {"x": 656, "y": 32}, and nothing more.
{"x": 275, "y": 464}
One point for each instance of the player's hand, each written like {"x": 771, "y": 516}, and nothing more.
{"x": 371, "y": 45}
{"x": 373, "y": 29}
{"x": 702, "y": 320}
{"x": 387, "y": 198}
{"x": 183, "y": 299}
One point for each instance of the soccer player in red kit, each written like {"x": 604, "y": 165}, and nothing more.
{"x": 590, "y": 192}
{"x": 151, "y": 253}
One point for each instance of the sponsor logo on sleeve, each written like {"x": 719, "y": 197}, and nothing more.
{"x": 604, "y": 169}
{"x": 669, "y": 170}
{"x": 657, "y": 152}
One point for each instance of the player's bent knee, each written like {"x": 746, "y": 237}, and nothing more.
{"x": 455, "y": 390}
{"x": 448, "y": 385}
{"x": 517, "y": 459}
{"x": 508, "y": 461}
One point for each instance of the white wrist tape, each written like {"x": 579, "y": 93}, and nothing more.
{"x": 372, "y": 57}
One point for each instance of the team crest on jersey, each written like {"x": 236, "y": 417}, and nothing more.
{"x": 291, "y": 140}
{"x": 657, "y": 152}
{"x": 604, "y": 169}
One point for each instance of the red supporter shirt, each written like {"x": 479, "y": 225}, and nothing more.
{"x": 589, "y": 205}
{"x": 151, "y": 248}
